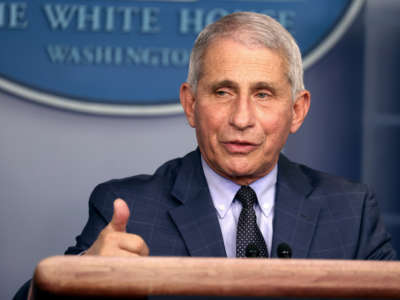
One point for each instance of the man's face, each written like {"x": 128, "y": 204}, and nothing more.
{"x": 242, "y": 109}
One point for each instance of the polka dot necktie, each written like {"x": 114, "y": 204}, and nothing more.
{"x": 249, "y": 240}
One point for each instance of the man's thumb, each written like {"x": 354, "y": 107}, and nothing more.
{"x": 121, "y": 216}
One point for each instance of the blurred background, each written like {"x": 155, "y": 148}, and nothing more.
{"x": 51, "y": 159}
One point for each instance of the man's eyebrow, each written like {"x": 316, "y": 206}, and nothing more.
{"x": 261, "y": 85}
{"x": 224, "y": 83}
{"x": 264, "y": 85}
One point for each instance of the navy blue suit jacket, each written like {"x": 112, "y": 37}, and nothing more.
{"x": 318, "y": 215}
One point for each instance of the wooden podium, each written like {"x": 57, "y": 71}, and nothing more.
{"x": 74, "y": 277}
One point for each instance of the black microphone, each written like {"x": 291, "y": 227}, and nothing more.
{"x": 284, "y": 251}
{"x": 252, "y": 250}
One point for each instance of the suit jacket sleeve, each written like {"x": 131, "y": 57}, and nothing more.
{"x": 374, "y": 241}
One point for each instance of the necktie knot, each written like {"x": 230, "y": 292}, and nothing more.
{"x": 246, "y": 196}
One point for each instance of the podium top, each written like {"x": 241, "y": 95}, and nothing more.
{"x": 114, "y": 277}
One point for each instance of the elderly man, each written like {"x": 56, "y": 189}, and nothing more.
{"x": 237, "y": 195}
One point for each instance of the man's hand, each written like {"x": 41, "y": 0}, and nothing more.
{"x": 113, "y": 239}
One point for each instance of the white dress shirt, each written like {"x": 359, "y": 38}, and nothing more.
{"x": 223, "y": 192}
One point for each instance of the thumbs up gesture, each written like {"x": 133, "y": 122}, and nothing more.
{"x": 113, "y": 240}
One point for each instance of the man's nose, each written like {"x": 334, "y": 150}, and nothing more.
{"x": 242, "y": 116}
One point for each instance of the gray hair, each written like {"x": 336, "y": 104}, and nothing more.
{"x": 251, "y": 29}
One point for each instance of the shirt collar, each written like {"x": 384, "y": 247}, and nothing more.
{"x": 223, "y": 190}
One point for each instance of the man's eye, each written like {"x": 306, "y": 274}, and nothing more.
{"x": 221, "y": 93}
{"x": 262, "y": 95}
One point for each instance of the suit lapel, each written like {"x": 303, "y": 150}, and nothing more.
{"x": 195, "y": 217}
{"x": 296, "y": 215}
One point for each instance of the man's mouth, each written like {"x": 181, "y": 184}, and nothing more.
{"x": 240, "y": 147}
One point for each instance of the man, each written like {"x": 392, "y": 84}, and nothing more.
{"x": 244, "y": 96}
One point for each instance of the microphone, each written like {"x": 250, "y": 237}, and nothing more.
{"x": 284, "y": 251}
{"x": 252, "y": 250}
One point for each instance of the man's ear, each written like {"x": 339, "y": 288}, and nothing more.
{"x": 301, "y": 106}
{"x": 188, "y": 102}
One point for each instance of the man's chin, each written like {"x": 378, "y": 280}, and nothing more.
{"x": 242, "y": 176}
{"x": 244, "y": 173}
